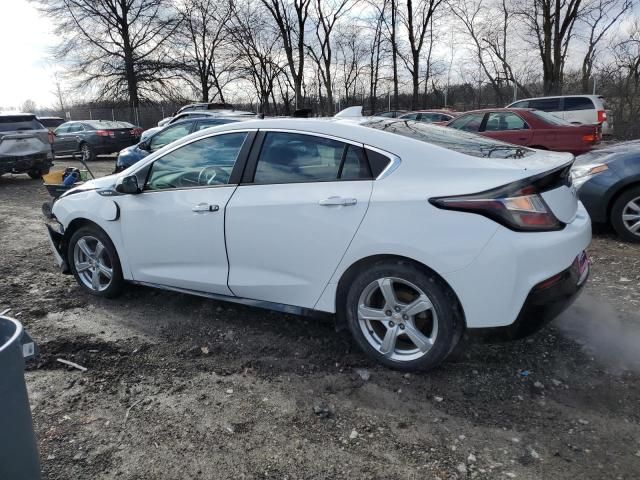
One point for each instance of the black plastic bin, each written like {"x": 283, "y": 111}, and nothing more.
{"x": 18, "y": 450}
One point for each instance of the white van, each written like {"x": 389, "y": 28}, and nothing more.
{"x": 573, "y": 108}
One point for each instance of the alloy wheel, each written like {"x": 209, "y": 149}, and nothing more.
{"x": 397, "y": 318}
{"x": 86, "y": 152}
{"x": 631, "y": 216}
{"x": 93, "y": 263}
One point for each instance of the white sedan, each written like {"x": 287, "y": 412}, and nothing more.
{"x": 409, "y": 233}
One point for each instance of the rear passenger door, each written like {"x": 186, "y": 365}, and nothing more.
{"x": 290, "y": 222}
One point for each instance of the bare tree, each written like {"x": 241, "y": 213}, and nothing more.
{"x": 327, "y": 14}
{"x": 551, "y": 25}
{"x": 115, "y": 45}
{"x": 28, "y": 106}
{"x": 291, "y": 18}
{"x": 417, "y": 18}
{"x": 599, "y": 17}
{"x": 351, "y": 60}
{"x": 257, "y": 50}
{"x": 376, "y": 49}
{"x": 203, "y": 45}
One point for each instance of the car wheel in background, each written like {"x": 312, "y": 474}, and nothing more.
{"x": 625, "y": 215}
{"x": 87, "y": 153}
{"x": 94, "y": 262}
{"x": 402, "y": 316}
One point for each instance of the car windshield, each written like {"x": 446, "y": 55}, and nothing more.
{"x": 450, "y": 138}
{"x": 14, "y": 123}
{"x": 550, "y": 118}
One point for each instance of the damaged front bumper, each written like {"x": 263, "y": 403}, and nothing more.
{"x": 56, "y": 240}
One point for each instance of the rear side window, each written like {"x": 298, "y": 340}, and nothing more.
{"x": 298, "y": 158}
{"x": 16, "y": 123}
{"x": 578, "y": 103}
{"x": 410, "y": 116}
{"x": 545, "y": 104}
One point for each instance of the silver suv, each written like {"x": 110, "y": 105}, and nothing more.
{"x": 24, "y": 145}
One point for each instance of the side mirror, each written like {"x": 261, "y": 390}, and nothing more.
{"x": 128, "y": 185}
{"x": 144, "y": 146}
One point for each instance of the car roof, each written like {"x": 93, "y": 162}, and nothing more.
{"x": 51, "y": 118}
{"x": 499, "y": 109}
{"x": 558, "y": 96}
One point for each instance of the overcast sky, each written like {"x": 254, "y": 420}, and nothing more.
{"x": 25, "y": 40}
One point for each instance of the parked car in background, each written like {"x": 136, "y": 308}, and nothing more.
{"x": 295, "y": 216}
{"x": 608, "y": 183}
{"x": 51, "y": 122}
{"x": 165, "y": 136}
{"x": 587, "y": 109}
{"x": 94, "y": 137}
{"x": 439, "y": 117}
{"x": 188, "y": 112}
{"x": 530, "y": 128}
{"x": 24, "y": 145}
{"x": 390, "y": 113}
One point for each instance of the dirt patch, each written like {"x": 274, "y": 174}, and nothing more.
{"x": 180, "y": 387}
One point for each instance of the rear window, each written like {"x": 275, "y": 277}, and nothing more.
{"x": 450, "y": 138}
{"x": 14, "y": 123}
{"x": 550, "y": 118}
{"x": 104, "y": 124}
{"x": 578, "y": 103}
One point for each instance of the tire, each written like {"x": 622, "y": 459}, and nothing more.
{"x": 91, "y": 271}
{"x": 625, "y": 215}
{"x": 87, "y": 153}
{"x": 35, "y": 174}
{"x": 421, "y": 336}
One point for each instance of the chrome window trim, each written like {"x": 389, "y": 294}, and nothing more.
{"x": 313, "y": 134}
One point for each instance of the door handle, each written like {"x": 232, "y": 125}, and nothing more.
{"x": 331, "y": 201}
{"x": 205, "y": 207}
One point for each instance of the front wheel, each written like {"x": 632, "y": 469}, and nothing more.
{"x": 625, "y": 215}
{"x": 402, "y": 316}
{"x": 87, "y": 152}
{"x": 94, "y": 262}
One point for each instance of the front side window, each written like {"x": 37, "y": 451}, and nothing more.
{"x": 468, "y": 123}
{"x": 504, "y": 121}
{"x": 169, "y": 135}
{"x": 75, "y": 128}
{"x": 297, "y": 158}
{"x": 205, "y": 162}
{"x": 410, "y": 116}
{"x": 578, "y": 103}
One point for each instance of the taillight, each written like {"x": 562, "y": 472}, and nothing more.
{"x": 602, "y": 116}
{"x": 517, "y": 206}
{"x": 105, "y": 133}
{"x": 592, "y": 138}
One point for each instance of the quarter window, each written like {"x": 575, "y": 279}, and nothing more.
{"x": 502, "y": 121}
{"x": 578, "y": 103}
{"x": 298, "y": 158}
{"x": 205, "y": 162}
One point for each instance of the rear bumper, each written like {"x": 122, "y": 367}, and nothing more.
{"x": 26, "y": 163}
{"x": 547, "y": 300}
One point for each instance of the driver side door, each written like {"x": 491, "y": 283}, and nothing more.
{"x": 173, "y": 231}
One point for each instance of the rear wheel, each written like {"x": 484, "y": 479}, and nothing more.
{"x": 95, "y": 263}
{"x": 625, "y": 215}
{"x": 37, "y": 172}
{"x": 87, "y": 152}
{"x": 402, "y": 316}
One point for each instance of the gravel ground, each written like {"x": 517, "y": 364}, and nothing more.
{"x": 180, "y": 387}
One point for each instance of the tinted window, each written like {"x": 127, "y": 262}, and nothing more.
{"x": 521, "y": 104}
{"x": 76, "y": 127}
{"x": 578, "y": 103}
{"x": 205, "y": 162}
{"x": 296, "y": 158}
{"x": 410, "y": 116}
{"x": 104, "y": 124}
{"x": 468, "y": 123}
{"x": 377, "y": 162}
{"x": 355, "y": 165}
{"x": 452, "y": 139}
{"x": 169, "y": 135}
{"x": 13, "y": 123}
{"x": 545, "y": 104}
{"x": 501, "y": 121}
{"x": 434, "y": 117}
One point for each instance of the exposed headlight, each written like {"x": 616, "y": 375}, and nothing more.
{"x": 582, "y": 173}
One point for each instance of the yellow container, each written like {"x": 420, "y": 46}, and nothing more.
{"x": 53, "y": 178}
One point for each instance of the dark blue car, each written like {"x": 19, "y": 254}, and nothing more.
{"x": 156, "y": 141}
{"x": 608, "y": 182}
